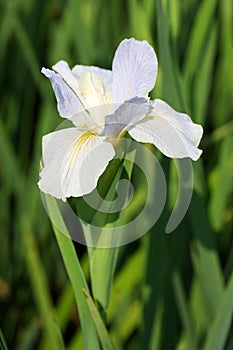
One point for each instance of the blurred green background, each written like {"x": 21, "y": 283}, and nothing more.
{"x": 170, "y": 291}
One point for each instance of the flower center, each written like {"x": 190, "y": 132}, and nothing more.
{"x": 96, "y": 99}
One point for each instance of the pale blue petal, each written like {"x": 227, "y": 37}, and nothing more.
{"x": 63, "y": 69}
{"x": 134, "y": 70}
{"x": 68, "y": 103}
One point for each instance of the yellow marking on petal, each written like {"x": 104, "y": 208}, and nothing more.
{"x": 81, "y": 140}
{"x": 76, "y": 150}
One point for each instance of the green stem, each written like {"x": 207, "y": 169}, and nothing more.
{"x": 76, "y": 277}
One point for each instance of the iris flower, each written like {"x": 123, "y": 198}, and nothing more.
{"x": 102, "y": 105}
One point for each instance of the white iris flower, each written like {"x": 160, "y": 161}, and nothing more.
{"x": 102, "y": 105}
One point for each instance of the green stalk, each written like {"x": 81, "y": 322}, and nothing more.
{"x": 76, "y": 276}
{"x": 103, "y": 260}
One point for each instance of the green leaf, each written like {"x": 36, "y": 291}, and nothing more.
{"x": 75, "y": 274}
{"x": 123, "y": 285}
{"x": 198, "y": 308}
{"x": 40, "y": 287}
{"x": 218, "y": 331}
{"x": 198, "y": 38}
{"x": 103, "y": 260}
{"x": 138, "y": 15}
{"x": 204, "y": 250}
{"x": 184, "y": 311}
{"x": 3, "y": 345}
{"x": 175, "y": 7}
{"x": 221, "y": 194}
{"x": 64, "y": 307}
{"x": 171, "y": 80}
{"x": 204, "y": 254}
{"x": 203, "y": 80}
{"x": 99, "y": 324}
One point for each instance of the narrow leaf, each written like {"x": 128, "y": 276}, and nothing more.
{"x": 184, "y": 312}
{"x": 3, "y": 345}
{"x": 99, "y": 324}
{"x": 221, "y": 324}
{"x": 76, "y": 276}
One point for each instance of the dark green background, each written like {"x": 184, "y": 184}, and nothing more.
{"x": 171, "y": 291}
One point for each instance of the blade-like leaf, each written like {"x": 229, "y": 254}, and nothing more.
{"x": 3, "y": 345}
{"x": 198, "y": 37}
{"x": 184, "y": 312}
{"x": 221, "y": 324}
{"x": 99, "y": 324}
{"x": 76, "y": 276}
{"x": 103, "y": 260}
{"x": 205, "y": 256}
{"x": 220, "y": 193}
{"x": 40, "y": 287}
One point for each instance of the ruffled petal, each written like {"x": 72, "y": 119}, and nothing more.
{"x": 73, "y": 162}
{"x": 173, "y": 133}
{"x": 134, "y": 70}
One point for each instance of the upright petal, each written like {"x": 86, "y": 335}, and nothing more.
{"x": 134, "y": 70}
{"x": 173, "y": 133}
{"x": 68, "y": 104}
{"x": 104, "y": 74}
{"x": 73, "y": 162}
{"x": 95, "y": 98}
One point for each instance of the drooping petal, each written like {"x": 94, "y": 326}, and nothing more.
{"x": 73, "y": 162}
{"x": 104, "y": 74}
{"x": 173, "y": 133}
{"x": 125, "y": 116}
{"x": 134, "y": 70}
{"x": 68, "y": 103}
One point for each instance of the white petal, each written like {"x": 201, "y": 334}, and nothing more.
{"x": 73, "y": 162}
{"x": 125, "y": 116}
{"x": 65, "y": 72}
{"x": 68, "y": 104}
{"x": 173, "y": 133}
{"x": 134, "y": 70}
{"x": 104, "y": 74}
{"x": 95, "y": 86}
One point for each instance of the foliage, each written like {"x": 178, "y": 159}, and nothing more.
{"x": 170, "y": 291}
